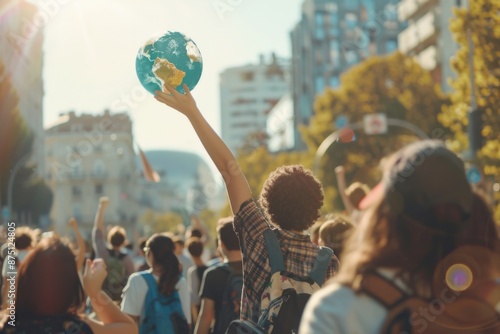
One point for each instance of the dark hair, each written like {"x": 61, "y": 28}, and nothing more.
{"x": 48, "y": 282}
{"x": 226, "y": 234}
{"x": 117, "y": 236}
{"x": 292, "y": 198}
{"x": 333, "y": 232}
{"x": 196, "y": 233}
{"x": 24, "y": 237}
{"x": 162, "y": 248}
{"x": 195, "y": 246}
{"x": 356, "y": 192}
{"x": 142, "y": 243}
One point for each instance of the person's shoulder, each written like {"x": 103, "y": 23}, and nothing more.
{"x": 138, "y": 276}
{"x": 342, "y": 300}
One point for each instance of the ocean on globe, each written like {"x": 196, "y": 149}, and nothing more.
{"x": 172, "y": 58}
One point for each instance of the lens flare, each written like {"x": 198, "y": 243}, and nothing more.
{"x": 459, "y": 277}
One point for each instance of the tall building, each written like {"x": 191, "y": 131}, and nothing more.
{"x": 248, "y": 93}
{"x": 332, "y": 36}
{"x": 428, "y": 37}
{"x": 279, "y": 126}
{"x": 21, "y": 52}
{"x": 89, "y": 156}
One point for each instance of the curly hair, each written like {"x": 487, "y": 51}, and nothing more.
{"x": 292, "y": 197}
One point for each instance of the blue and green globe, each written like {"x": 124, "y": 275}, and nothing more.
{"x": 172, "y": 59}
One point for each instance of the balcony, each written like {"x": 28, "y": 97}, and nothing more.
{"x": 409, "y": 9}
{"x": 420, "y": 34}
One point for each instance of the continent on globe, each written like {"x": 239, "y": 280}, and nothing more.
{"x": 193, "y": 52}
{"x": 167, "y": 73}
{"x": 172, "y": 58}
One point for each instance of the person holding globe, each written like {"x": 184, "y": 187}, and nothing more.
{"x": 291, "y": 198}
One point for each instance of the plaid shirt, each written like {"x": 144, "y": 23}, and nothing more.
{"x": 298, "y": 251}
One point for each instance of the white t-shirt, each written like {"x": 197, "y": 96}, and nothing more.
{"x": 194, "y": 285}
{"x": 134, "y": 295}
{"x": 337, "y": 309}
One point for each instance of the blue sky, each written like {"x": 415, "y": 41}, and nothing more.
{"x": 90, "y": 49}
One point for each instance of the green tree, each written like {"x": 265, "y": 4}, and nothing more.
{"x": 31, "y": 195}
{"x": 394, "y": 85}
{"x": 483, "y": 22}
{"x": 162, "y": 222}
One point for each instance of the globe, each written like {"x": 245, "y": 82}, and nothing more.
{"x": 173, "y": 59}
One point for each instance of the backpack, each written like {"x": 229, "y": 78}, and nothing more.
{"x": 161, "y": 314}
{"x": 284, "y": 298}
{"x": 457, "y": 312}
{"x": 231, "y": 299}
{"x": 115, "y": 281}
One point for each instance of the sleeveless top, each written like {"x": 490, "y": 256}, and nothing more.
{"x": 68, "y": 324}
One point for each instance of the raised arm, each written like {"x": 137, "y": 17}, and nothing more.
{"x": 112, "y": 320}
{"x": 340, "y": 173}
{"x": 236, "y": 183}
{"x": 80, "y": 255}
{"x": 98, "y": 232}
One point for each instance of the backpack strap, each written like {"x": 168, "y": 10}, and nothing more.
{"x": 382, "y": 290}
{"x": 274, "y": 250}
{"x": 151, "y": 282}
{"x": 321, "y": 265}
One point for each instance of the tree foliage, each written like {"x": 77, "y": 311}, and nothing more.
{"x": 394, "y": 85}
{"x": 483, "y": 22}
{"x": 31, "y": 195}
{"x": 162, "y": 222}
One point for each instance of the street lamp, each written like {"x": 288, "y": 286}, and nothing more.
{"x": 12, "y": 176}
{"x": 323, "y": 147}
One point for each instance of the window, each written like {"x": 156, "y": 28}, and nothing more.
{"x": 319, "y": 84}
{"x": 351, "y": 20}
{"x": 319, "y": 32}
{"x": 76, "y": 191}
{"x": 335, "y": 53}
{"x": 319, "y": 25}
{"x": 247, "y": 76}
{"x": 390, "y": 46}
{"x": 99, "y": 189}
{"x": 334, "y": 82}
{"x": 99, "y": 167}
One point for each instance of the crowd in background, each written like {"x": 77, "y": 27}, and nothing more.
{"x": 422, "y": 238}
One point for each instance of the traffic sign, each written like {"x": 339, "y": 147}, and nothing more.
{"x": 375, "y": 124}
{"x": 341, "y": 122}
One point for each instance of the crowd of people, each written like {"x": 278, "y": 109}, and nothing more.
{"x": 416, "y": 253}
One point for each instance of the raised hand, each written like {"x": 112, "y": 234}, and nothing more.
{"x": 183, "y": 103}
{"x": 104, "y": 202}
{"x": 93, "y": 277}
{"x": 73, "y": 223}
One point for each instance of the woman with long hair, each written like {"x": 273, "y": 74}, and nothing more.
{"x": 416, "y": 223}
{"x": 165, "y": 269}
{"x": 49, "y": 295}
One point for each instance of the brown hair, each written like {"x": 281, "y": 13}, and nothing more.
{"x": 226, "y": 234}
{"x": 25, "y": 237}
{"x": 48, "y": 283}
{"x": 356, "y": 192}
{"x": 334, "y": 232}
{"x": 117, "y": 236}
{"x": 292, "y": 197}
{"x": 194, "y": 246}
